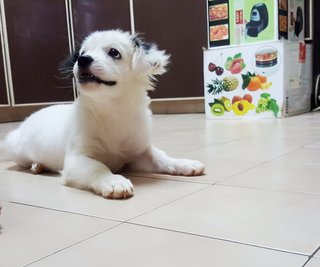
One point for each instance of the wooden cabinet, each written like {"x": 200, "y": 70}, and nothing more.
{"x": 180, "y": 28}
{"x": 38, "y": 40}
{"x": 41, "y": 33}
{"x": 92, "y": 15}
{"x": 316, "y": 55}
{"x": 3, "y": 87}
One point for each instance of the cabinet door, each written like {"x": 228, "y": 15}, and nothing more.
{"x": 316, "y": 54}
{"x": 180, "y": 28}
{"x": 38, "y": 41}
{"x": 3, "y": 89}
{"x": 92, "y": 15}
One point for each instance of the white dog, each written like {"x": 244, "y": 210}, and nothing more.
{"x": 108, "y": 127}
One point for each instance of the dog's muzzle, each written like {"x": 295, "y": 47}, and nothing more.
{"x": 85, "y": 75}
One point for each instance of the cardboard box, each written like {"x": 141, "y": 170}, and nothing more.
{"x": 265, "y": 80}
{"x": 238, "y": 22}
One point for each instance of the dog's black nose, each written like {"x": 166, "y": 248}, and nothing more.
{"x": 84, "y": 61}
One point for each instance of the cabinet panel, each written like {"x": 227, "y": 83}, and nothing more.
{"x": 180, "y": 28}
{"x": 3, "y": 89}
{"x": 316, "y": 54}
{"x": 38, "y": 41}
{"x": 92, "y": 15}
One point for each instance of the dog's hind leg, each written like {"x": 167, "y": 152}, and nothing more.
{"x": 37, "y": 168}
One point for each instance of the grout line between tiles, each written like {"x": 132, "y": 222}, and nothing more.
{"x": 269, "y": 189}
{"x": 177, "y": 199}
{"x": 74, "y": 244}
{"x": 311, "y": 143}
{"x": 219, "y": 239}
{"x": 108, "y": 219}
{"x": 243, "y": 171}
{"x": 149, "y": 176}
{"x": 87, "y": 238}
{"x": 311, "y": 256}
{"x": 223, "y": 179}
{"x": 65, "y": 211}
{"x": 167, "y": 179}
{"x": 220, "y": 182}
{"x": 311, "y": 148}
{"x": 286, "y": 153}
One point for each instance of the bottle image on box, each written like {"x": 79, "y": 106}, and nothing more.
{"x": 259, "y": 20}
{"x": 240, "y": 25}
{"x": 296, "y": 20}
{"x": 298, "y": 25}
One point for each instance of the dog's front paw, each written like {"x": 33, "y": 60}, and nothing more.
{"x": 186, "y": 167}
{"x": 116, "y": 187}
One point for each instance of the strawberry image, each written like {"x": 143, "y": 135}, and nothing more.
{"x": 238, "y": 60}
{"x": 235, "y": 64}
{"x": 236, "y": 68}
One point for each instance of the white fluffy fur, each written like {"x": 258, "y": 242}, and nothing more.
{"x": 107, "y": 128}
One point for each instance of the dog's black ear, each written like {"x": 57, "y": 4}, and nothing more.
{"x": 147, "y": 58}
{"x": 66, "y": 66}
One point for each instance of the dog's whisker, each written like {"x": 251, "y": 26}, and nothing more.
{"x": 67, "y": 76}
{"x": 63, "y": 87}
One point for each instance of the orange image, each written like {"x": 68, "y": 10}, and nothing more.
{"x": 219, "y": 32}
{"x": 218, "y": 12}
{"x": 254, "y": 84}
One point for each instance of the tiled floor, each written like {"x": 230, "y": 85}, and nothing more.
{"x": 258, "y": 204}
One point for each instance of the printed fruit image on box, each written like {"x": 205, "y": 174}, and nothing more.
{"x": 244, "y": 81}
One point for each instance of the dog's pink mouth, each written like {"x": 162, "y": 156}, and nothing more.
{"x": 87, "y": 77}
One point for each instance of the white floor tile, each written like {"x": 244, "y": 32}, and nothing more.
{"x": 284, "y": 175}
{"x": 129, "y": 245}
{"x": 267, "y": 196}
{"x": 28, "y": 234}
{"x": 48, "y": 192}
{"x": 278, "y": 220}
{"x": 315, "y": 262}
{"x": 302, "y": 155}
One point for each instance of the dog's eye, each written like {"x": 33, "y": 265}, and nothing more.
{"x": 114, "y": 53}
{"x": 82, "y": 53}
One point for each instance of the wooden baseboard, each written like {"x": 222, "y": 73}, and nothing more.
{"x": 19, "y": 113}
{"x": 180, "y": 106}
{"x": 172, "y": 106}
